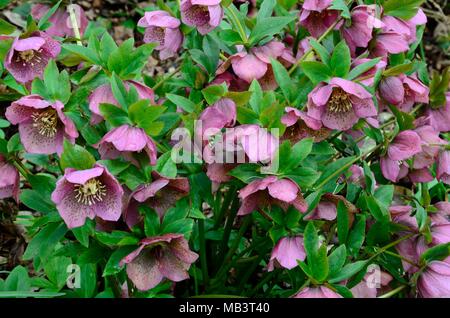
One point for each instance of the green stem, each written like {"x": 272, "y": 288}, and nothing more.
{"x": 267, "y": 277}
{"x": 22, "y": 170}
{"x": 402, "y": 258}
{"x": 74, "y": 22}
{"x": 386, "y": 247}
{"x": 157, "y": 85}
{"x": 203, "y": 261}
{"x": 393, "y": 292}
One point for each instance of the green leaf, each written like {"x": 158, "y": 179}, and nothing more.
{"x": 267, "y": 27}
{"x": 438, "y": 88}
{"x": 342, "y": 222}
{"x": 321, "y": 51}
{"x": 362, "y": 68}
{"x": 246, "y": 172}
{"x": 317, "y": 72}
{"x": 82, "y": 233}
{"x": 18, "y": 280}
{"x": 119, "y": 91}
{"x": 43, "y": 243}
{"x": 116, "y": 116}
{"x": 405, "y": 121}
{"x": 6, "y": 27}
{"x": 48, "y": 14}
{"x": 340, "y": 60}
{"x": 151, "y": 221}
{"x": 341, "y": 6}
{"x": 112, "y": 266}
{"x": 35, "y": 201}
{"x": 88, "y": 281}
{"x": 166, "y": 166}
{"x": 283, "y": 79}
{"x": 257, "y": 96}
{"x": 398, "y": 69}
{"x": 74, "y": 156}
{"x": 337, "y": 259}
{"x": 213, "y": 93}
{"x": 436, "y": 253}
{"x": 404, "y": 9}
{"x": 85, "y": 53}
{"x": 180, "y": 101}
{"x": 266, "y": 9}
{"x": 348, "y": 271}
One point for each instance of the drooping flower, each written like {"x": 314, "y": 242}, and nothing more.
{"x": 286, "y": 253}
{"x": 9, "y": 180}
{"x": 371, "y": 284}
{"x": 255, "y": 63}
{"x": 162, "y": 28}
{"x": 161, "y": 194}
{"x": 402, "y": 214}
{"x": 82, "y": 194}
{"x": 42, "y": 126}
{"x": 439, "y": 118}
{"x": 299, "y": 125}
{"x": 268, "y": 191}
{"x": 317, "y": 292}
{"x": 205, "y": 15}
{"x": 327, "y": 208}
{"x": 442, "y": 214}
{"x": 367, "y": 78}
{"x": 61, "y": 24}
{"x": 434, "y": 282}
{"x": 316, "y": 17}
{"x": 166, "y": 256}
{"x": 103, "y": 95}
{"x": 404, "y": 146}
{"x": 406, "y": 28}
{"x": 339, "y": 104}
{"x": 28, "y": 57}
{"x": 363, "y": 21}
{"x": 430, "y": 146}
{"x": 443, "y": 167}
{"x": 403, "y": 91}
{"x": 124, "y": 141}
{"x": 220, "y": 115}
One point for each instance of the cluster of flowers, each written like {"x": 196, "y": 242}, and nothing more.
{"x": 383, "y": 98}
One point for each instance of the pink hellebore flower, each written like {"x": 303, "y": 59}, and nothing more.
{"x": 339, "y": 104}
{"x": 440, "y": 118}
{"x": 256, "y": 65}
{"x": 317, "y": 292}
{"x": 28, "y": 57}
{"x": 205, "y": 15}
{"x": 368, "y": 287}
{"x": 161, "y": 194}
{"x": 163, "y": 29}
{"x": 82, "y": 194}
{"x": 363, "y": 21}
{"x": 60, "y": 20}
{"x": 42, "y": 126}
{"x": 327, "y": 208}
{"x": 367, "y": 78}
{"x": 286, "y": 253}
{"x": 220, "y": 115}
{"x": 430, "y": 147}
{"x": 405, "y": 28}
{"x": 103, "y": 95}
{"x": 403, "y": 91}
{"x": 316, "y": 17}
{"x": 299, "y": 125}
{"x": 125, "y": 140}
{"x": 9, "y": 180}
{"x": 443, "y": 167}
{"x": 404, "y": 146}
{"x": 402, "y": 214}
{"x": 159, "y": 257}
{"x": 442, "y": 214}
{"x": 271, "y": 190}
{"x": 434, "y": 282}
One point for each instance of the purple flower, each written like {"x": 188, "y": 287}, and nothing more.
{"x": 434, "y": 282}
{"x": 60, "y": 20}
{"x": 286, "y": 253}
{"x": 440, "y": 118}
{"x": 317, "y": 292}
{"x": 367, "y": 78}
{"x": 124, "y": 141}
{"x": 161, "y": 194}
{"x": 315, "y": 16}
{"x": 405, "y": 28}
{"x": 430, "y": 147}
{"x": 339, "y": 104}
{"x": 327, "y": 208}
{"x": 215, "y": 117}
{"x": 163, "y": 29}
{"x": 404, "y": 146}
{"x": 103, "y": 95}
{"x": 363, "y": 21}
{"x": 368, "y": 288}
{"x": 28, "y": 57}
{"x": 442, "y": 214}
{"x": 402, "y": 214}
{"x": 255, "y": 64}
{"x": 82, "y": 194}
{"x": 299, "y": 126}
{"x": 9, "y": 180}
{"x": 443, "y": 167}
{"x": 403, "y": 91}
{"x": 271, "y": 190}
{"x": 42, "y": 126}
{"x": 159, "y": 257}
{"x": 205, "y": 15}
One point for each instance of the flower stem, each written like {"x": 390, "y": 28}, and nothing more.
{"x": 203, "y": 261}
{"x": 238, "y": 25}
{"x": 74, "y": 22}
{"x": 157, "y": 85}
{"x": 393, "y": 292}
{"x": 22, "y": 170}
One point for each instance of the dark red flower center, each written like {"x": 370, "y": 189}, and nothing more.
{"x": 28, "y": 57}
{"x": 339, "y": 101}
{"x": 199, "y": 15}
{"x": 46, "y": 122}
{"x": 91, "y": 192}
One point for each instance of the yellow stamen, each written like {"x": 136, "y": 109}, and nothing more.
{"x": 91, "y": 192}
{"x": 46, "y": 122}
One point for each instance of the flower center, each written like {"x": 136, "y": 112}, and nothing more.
{"x": 46, "y": 122}
{"x": 91, "y": 192}
{"x": 339, "y": 101}
{"x": 26, "y": 55}
{"x": 198, "y": 14}
{"x": 29, "y": 57}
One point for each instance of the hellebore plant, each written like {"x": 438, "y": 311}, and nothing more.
{"x": 281, "y": 149}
